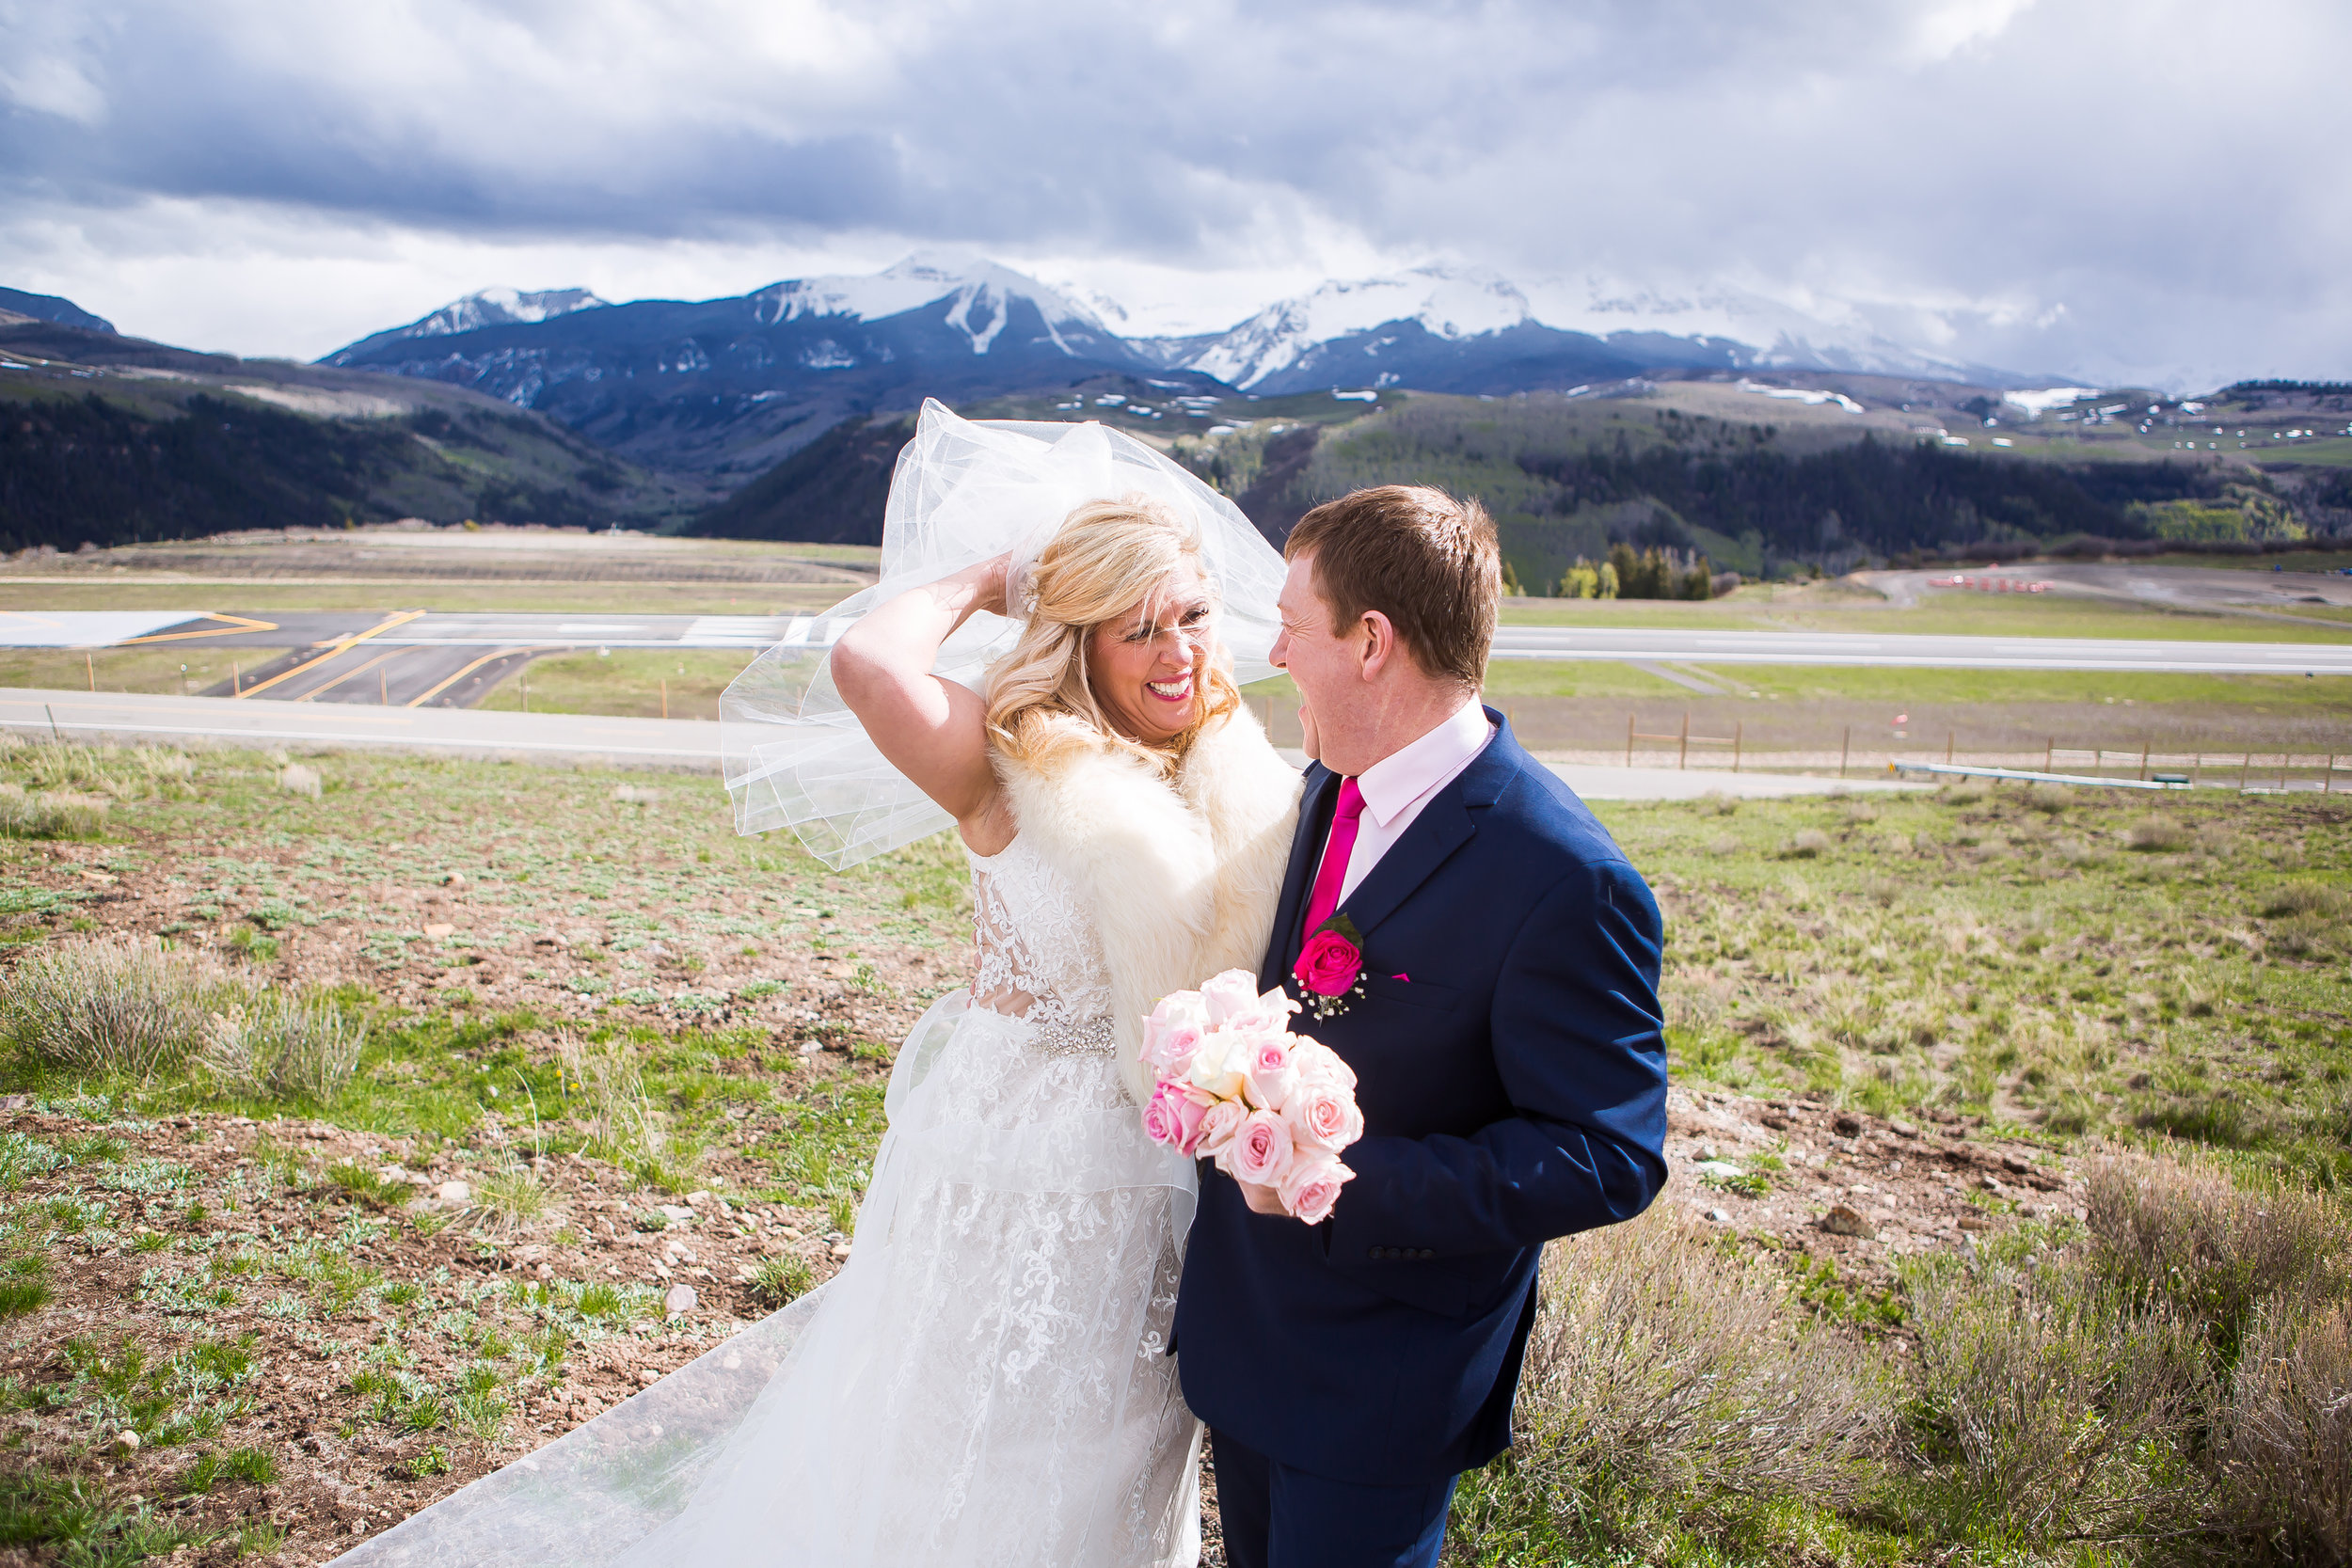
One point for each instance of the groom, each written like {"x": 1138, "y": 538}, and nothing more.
{"x": 1506, "y": 1038}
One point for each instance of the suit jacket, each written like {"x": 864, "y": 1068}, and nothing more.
{"x": 1512, "y": 1072}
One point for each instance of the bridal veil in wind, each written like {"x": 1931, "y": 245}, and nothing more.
{"x": 985, "y": 1382}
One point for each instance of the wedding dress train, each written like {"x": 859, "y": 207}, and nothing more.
{"x": 985, "y": 1382}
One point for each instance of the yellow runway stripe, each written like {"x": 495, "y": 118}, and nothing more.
{"x": 344, "y": 646}
{"x": 244, "y": 623}
{"x": 485, "y": 658}
{"x": 362, "y": 670}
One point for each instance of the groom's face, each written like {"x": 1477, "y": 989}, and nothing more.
{"x": 1323, "y": 664}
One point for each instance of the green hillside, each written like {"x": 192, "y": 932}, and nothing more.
{"x": 107, "y": 441}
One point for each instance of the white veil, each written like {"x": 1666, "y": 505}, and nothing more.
{"x": 964, "y": 491}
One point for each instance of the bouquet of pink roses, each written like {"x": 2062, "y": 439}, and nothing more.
{"x": 1235, "y": 1085}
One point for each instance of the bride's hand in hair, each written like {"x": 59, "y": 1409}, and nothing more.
{"x": 932, "y": 730}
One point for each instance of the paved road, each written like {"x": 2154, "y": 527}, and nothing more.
{"x": 1871, "y": 649}
{"x": 419, "y": 658}
{"x": 2205, "y": 588}
{"x": 671, "y": 742}
{"x": 86, "y": 716}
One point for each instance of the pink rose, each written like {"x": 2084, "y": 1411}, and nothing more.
{"x": 1319, "y": 1064}
{"x": 1218, "y": 1123}
{"x": 1172, "y": 1117}
{"x": 1311, "y": 1185}
{"x": 1321, "y": 1115}
{"x": 1223, "y": 995}
{"x": 1261, "y": 1149}
{"x": 1271, "y": 1078}
{"x": 1172, "y": 1031}
{"x": 1329, "y": 965}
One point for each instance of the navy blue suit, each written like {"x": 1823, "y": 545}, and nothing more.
{"x": 1512, "y": 1072}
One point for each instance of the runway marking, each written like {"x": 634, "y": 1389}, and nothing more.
{"x": 244, "y": 623}
{"x": 485, "y": 658}
{"x": 380, "y": 658}
{"x": 398, "y": 618}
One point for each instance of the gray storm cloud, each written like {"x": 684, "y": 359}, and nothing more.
{"x": 2062, "y": 185}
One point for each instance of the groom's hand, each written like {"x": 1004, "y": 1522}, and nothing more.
{"x": 1262, "y": 1200}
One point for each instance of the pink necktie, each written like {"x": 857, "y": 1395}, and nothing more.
{"x": 1345, "y": 822}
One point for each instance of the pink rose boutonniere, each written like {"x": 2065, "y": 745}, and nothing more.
{"x": 1330, "y": 968}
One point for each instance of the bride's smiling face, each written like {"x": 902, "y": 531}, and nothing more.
{"x": 1147, "y": 666}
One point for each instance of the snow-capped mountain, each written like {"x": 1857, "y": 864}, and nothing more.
{"x": 737, "y": 382}
{"x": 981, "y": 295}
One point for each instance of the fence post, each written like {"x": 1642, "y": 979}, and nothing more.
{"x": 1628, "y": 740}
{"x": 665, "y": 697}
{"x": 525, "y": 679}
{"x": 1952, "y": 738}
{"x": 1737, "y": 731}
{"x": 2143, "y": 759}
{"x": 89, "y": 667}
{"x": 236, "y": 680}
{"x": 2326, "y": 780}
{"x": 2245, "y": 768}
{"x": 2049, "y": 756}
{"x": 2285, "y": 758}
{"x": 1845, "y": 748}
{"x": 383, "y": 688}
{"x": 1683, "y": 763}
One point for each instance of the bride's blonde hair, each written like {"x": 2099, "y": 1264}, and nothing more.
{"x": 1107, "y": 557}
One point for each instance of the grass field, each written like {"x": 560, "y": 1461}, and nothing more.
{"x": 261, "y": 594}
{"x": 180, "y": 669}
{"x": 561, "y": 963}
{"x": 626, "y": 681}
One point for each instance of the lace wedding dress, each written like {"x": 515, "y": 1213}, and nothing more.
{"x": 984, "y": 1382}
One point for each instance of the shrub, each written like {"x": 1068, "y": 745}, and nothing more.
{"x": 2307, "y": 899}
{"x": 51, "y": 814}
{"x": 2184, "y": 1232}
{"x": 2286, "y": 1435}
{"x": 1660, "y": 1367}
{"x": 2156, "y": 835}
{"x": 1807, "y": 843}
{"x": 296, "y": 779}
{"x": 116, "y": 1005}
{"x": 272, "y": 1045}
{"x": 2063, "y": 1407}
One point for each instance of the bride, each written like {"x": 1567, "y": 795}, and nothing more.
{"x": 987, "y": 1381}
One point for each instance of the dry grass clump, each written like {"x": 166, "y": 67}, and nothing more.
{"x": 51, "y": 814}
{"x": 2181, "y": 1370}
{"x": 297, "y": 778}
{"x": 128, "y": 1005}
{"x": 1807, "y": 843}
{"x": 635, "y": 794}
{"x": 1662, "y": 1366}
{"x": 2315, "y": 899}
{"x": 2060, "y": 1405}
{"x": 2183, "y": 1231}
{"x": 2286, "y": 1436}
{"x": 121, "y": 1004}
{"x": 510, "y": 1200}
{"x": 272, "y": 1045}
{"x": 606, "y": 1083}
{"x": 2156, "y": 835}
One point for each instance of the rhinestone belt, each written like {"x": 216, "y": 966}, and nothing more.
{"x": 1091, "y": 1036}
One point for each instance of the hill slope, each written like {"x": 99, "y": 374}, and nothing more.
{"x": 105, "y": 439}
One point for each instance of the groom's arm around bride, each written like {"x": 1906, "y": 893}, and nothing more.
{"x": 1505, "y": 1033}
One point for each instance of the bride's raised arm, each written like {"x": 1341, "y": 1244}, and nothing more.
{"x": 932, "y": 730}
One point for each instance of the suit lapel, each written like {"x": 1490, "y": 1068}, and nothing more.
{"x": 1321, "y": 790}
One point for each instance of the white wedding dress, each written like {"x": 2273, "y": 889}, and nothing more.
{"x": 984, "y": 1383}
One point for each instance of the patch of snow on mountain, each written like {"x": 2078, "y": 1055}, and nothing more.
{"x": 1822, "y": 333}
{"x": 2038, "y": 402}
{"x": 1448, "y": 301}
{"x": 979, "y": 293}
{"x": 500, "y": 307}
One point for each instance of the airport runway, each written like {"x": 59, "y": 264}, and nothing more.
{"x": 691, "y": 743}
{"x": 421, "y": 659}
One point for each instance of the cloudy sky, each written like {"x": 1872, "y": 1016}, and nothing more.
{"x": 2157, "y": 190}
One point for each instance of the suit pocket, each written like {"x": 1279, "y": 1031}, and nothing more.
{"x": 1412, "y": 993}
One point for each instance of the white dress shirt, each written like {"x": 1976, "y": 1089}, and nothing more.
{"x": 1397, "y": 786}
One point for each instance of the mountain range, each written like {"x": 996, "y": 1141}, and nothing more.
{"x": 732, "y": 386}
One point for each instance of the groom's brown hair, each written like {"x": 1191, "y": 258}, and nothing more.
{"x": 1420, "y": 557}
